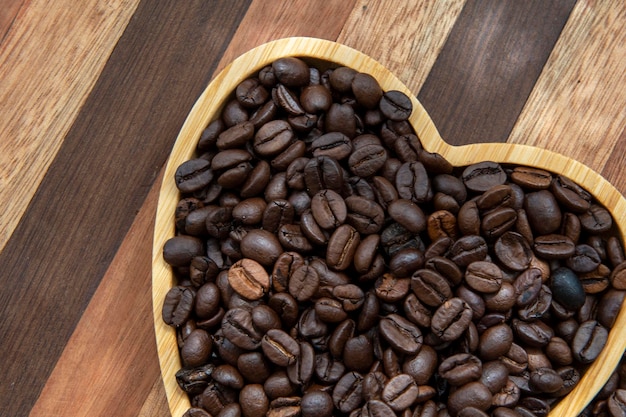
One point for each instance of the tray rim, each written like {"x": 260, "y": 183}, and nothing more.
{"x": 212, "y": 100}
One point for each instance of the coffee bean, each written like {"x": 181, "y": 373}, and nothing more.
{"x": 451, "y": 319}
{"x": 400, "y": 392}
{"x": 342, "y": 245}
{"x": 329, "y": 209}
{"x": 279, "y": 347}
{"x": 588, "y": 341}
{"x": 239, "y": 329}
{"x": 249, "y": 279}
{"x": 396, "y": 105}
{"x": 401, "y": 334}
{"x": 430, "y": 287}
{"x": 193, "y": 175}
{"x": 317, "y": 404}
{"x": 348, "y": 392}
{"x": 566, "y": 288}
{"x": 303, "y": 283}
{"x": 482, "y": 176}
{"x": 253, "y": 401}
{"x": 177, "y": 306}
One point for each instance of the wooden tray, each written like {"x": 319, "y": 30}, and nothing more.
{"x": 322, "y": 52}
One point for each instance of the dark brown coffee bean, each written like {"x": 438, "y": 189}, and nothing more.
{"x": 589, "y": 341}
{"x": 340, "y": 118}
{"x": 330, "y": 310}
{"x": 277, "y": 212}
{"x": 322, "y": 172}
{"x": 315, "y": 99}
{"x": 193, "y": 175}
{"x": 303, "y": 283}
{"x": 278, "y": 385}
{"x": 301, "y": 371}
{"x": 482, "y": 176}
{"x": 228, "y": 376}
{"x": 280, "y": 348}
{"x": 358, "y": 354}
{"x": 483, "y": 276}
{"x": 272, "y": 138}
{"x": 406, "y": 261}
{"x": 366, "y": 90}
{"x": 253, "y": 401}
{"x": 261, "y": 246}
{"x": 239, "y": 329}
{"x": 527, "y": 286}
{"x": 554, "y": 246}
{"x": 395, "y": 105}
{"x": 513, "y": 250}
{"x": 329, "y": 209}
{"x": 342, "y": 245}
{"x": 365, "y": 253}
{"x": 178, "y": 305}
{"x": 333, "y": 144}
{"x": 350, "y": 295}
{"x": 413, "y": 183}
{"x": 441, "y": 224}
{"x": 616, "y": 403}
{"x": 469, "y": 219}
{"x": 451, "y": 319}
{"x": 570, "y": 195}
{"x": 196, "y": 412}
{"x": 508, "y": 397}
{"x": 376, "y": 408}
{"x": 536, "y": 333}
{"x": 468, "y": 249}
{"x": 348, "y": 392}
{"x": 367, "y": 160}
{"x": 473, "y": 394}
{"x": 498, "y": 222}
{"x": 285, "y": 407}
{"x": 287, "y": 100}
{"x": 543, "y": 211}
{"x": 327, "y": 369}
{"x": 341, "y": 79}
{"x": 585, "y": 259}
{"x": 401, "y": 334}
{"x": 291, "y": 238}
{"x": 494, "y": 375}
{"x": 310, "y": 326}
{"x": 400, "y": 392}
{"x": 460, "y": 369}
{"x": 291, "y": 71}
{"x": 366, "y": 216}
{"x": 265, "y": 318}
{"x": 495, "y": 342}
{"x": 235, "y": 136}
{"x": 317, "y": 404}
{"x": 264, "y": 114}
{"x": 197, "y": 349}
{"x": 215, "y": 397}
{"x": 180, "y": 250}
{"x": 430, "y": 287}
{"x": 531, "y": 178}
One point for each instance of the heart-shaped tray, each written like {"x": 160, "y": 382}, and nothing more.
{"x": 324, "y": 53}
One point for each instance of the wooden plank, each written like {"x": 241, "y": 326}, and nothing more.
{"x": 405, "y": 38}
{"x": 581, "y": 94}
{"x": 293, "y": 18}
{"x": 114, "y": 338}
{"x": 8, "y": 13}
{"x": 49, "y": 62}
{"x": 469, "y": 98}
{"x": 121, "y": 129}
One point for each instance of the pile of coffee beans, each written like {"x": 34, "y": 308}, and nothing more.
{"x": 328, "y": 265}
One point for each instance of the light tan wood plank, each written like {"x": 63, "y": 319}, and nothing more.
{"x": 8, "y": 11}
{"x": 401, "y": 33}
{"x": 580, "y": 93}
{"x": 44, "y": 85}
{"x": 112, "y": 353}
{"x": 263, "y": 23}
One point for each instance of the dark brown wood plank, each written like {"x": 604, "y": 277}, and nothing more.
{"x": 126, "y": 128}
{"x": 473, "y": 100}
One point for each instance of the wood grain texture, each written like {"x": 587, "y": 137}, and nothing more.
{"x": 470, "y": 99}
{"x": 8, "y": 13}
{"x": 44, "y": 84}
{"x": 110, "y": 362}
{"x": 580, "y": 93}
{"x": 299, "y": 18}
{"x": 122, "y": 130}
{"x": 406, "y": 38}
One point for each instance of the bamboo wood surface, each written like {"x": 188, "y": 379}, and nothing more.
{"x": 92, "y": 99}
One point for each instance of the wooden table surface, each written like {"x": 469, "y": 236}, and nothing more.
{"x": 92, "y": 97}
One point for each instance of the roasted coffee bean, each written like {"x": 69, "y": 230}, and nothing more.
{"x": 272, "y": 138}
{"x": 228, "y": 376}
{"x": 536, "y": 333}
{"x": 554, "y": 246}
{"x": 291, "y": 71}
{"x": 366, "y": 216}
{"x": 395, "y": 105}
{"x": 329, "y": 209}
{"x": 333, "y": 144}
{"x": 193, "y": 175}
{"x": 316, "y": 404}
{"x": 468, "y": 249}
{"x": 342, "y": 245}
{"x": 400, "y": 392}
{"x": 460, "y": 369}
{"x": 279, "y": 347}
{"x": 406, "y": 261}
{"x": 261, "y": 246}
{"x": 596, "y": 220}
{"x": 278, "y": 385}
{"x": 588, "y": 341}
{"x": 197, "y": 349}
{"x": 303, "y": 283}
{"x": 495, "y": 342}
{"x": 566, "y": 288}
{"x": 330, "y": 310}
{"x": 484, "y": 277}
{"x": 286, "y": 307}
{"x": 312, "y": 230}
{"x": 451, "y": 319}
{"x": 177, "y": 306}
{"x": 341, "y": 118}
{"x": 584, "y": 259}
{"x": 350, "y": 295}
{"x": 323, "y": 172}
{"x": 315, "y": 99}
{"x": 473, "y": 394}
{"x": 348, "y": 392}
{"x": 514, "y": 251}
{"x": 367, "y": 160}
{"x": 277, "y": 212}
{"x": 327, "y": 369}
{"x": 482, "y": 176}
{"x": 358, "y": 354}
{"x": 291, "y": 238}
{"x": 301, "y": 371}
{"x": 253, "y": 401}
{"x": 239, "y": 329}
{"x": 430, "y": 287}
{"x": 180, "y": 250}
{"x": 235, "y": 136}
{"x": 249, "y": 279}
{"x": 401, "y": 334}
{"x": 413, "y": 183}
